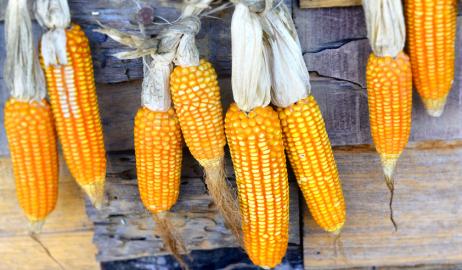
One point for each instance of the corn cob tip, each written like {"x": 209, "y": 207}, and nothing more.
{"x": 95, "y": 192}
{"x": 337, "y": 230}
{"x": 35, "y": 226}
{"x": 389, "y": 163}
{"x": 435, "y": 107}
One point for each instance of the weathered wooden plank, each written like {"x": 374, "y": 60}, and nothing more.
{"x": 67, "y": 233}
{"x": 328, "y": 3}
{"x": 427, "y": 208}
{"x": 124, "y": 229}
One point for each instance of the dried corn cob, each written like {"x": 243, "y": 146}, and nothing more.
{"x": 389, "y": 85}
{"x": 305, "y": 136}
{"x": 389, "y": 90}
{"x": 309, "y": 151}
{"x": 196, "y": 98}
{"x": 32, "y": 141}
{"x": 431, "y": 28}
{"x": 158, "y": 148}
{"x": 257, "y": 150}
{"x": 28, "y": 120}
{"x": 75, "y": 108}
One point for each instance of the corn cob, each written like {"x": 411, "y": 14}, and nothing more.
{"x": 310, "y": 153}
{"x": 75, "y": 109}
{"x": 32, "y": 142}
{"x": 389, "y": 90}
{"x": 257, "y": 150}
{"x": 158, "y": 148}
{"x": 431, "y": 28}
{"x": 196, "y": 98}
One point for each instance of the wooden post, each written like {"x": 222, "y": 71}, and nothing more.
{"x": 328, "y": 3}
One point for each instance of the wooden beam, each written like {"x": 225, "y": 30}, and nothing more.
{"x": 328, "y": 3}
{"x": 426, "y": 206}
{"x": 67, "y": 234}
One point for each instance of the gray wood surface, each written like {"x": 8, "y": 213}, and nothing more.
{"x": 427, "y": 209}
{"x": 125, "y": 230}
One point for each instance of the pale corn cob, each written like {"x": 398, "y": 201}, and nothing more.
{"x": 75, "y": 109}
{"x": 257, "y": 151}
{"x": 310, "y": 154}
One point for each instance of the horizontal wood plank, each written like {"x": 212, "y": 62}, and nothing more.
{"x": 427, "y": 208}
{"x": 67, "y": 233}
{"x": 328, "y": 3}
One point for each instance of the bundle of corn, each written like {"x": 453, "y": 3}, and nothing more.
{"x": 28, "y": 120}
{"x": 304, "y": 132}
{"x": 66, "y": 59}
{"x": 431, "y": 28}
{"x": 255, "y": 141}
{"x": 389, "y": 84}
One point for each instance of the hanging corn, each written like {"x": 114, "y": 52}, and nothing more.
{"x": 255, "y": 141}
{"x": 157, "y": 134}
{"x": 197, "y": 101}
{"x": 28, "y": 120}
{"x": 66, "y": 60}
{"x": 431, "y": 28}
{"x": 304, "y": 132}
{"x": 389, "y": 84}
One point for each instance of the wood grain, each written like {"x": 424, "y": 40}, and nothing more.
{"x": 427, "y": 208}
{"x": 67, "y": 232}
{"x": 125, "y": 230}
{"x": 328, "y": 3}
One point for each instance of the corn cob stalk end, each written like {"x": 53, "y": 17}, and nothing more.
{"x": 95, "y": 192}
{"x": 435, "y": 107}
{"x": 388, "y": 164}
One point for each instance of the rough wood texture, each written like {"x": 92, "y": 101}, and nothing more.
{"x": 67, "y": 233}
{"x": 125, "y": 230}
{"x": 328, "y": 3}
{"x": 427, "y": 209}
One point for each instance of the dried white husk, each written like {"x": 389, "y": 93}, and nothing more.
{"x": 53, "y": 15}
{"x": 23, "y": 75}
{"x": 290, "y": 77}
{"x": 251, "y": 81}
{"x": 385, "y": 26}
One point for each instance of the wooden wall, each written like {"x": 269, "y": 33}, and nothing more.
{"x": 335, "y": 49}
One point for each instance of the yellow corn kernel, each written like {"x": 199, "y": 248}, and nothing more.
{"x": 389, "y": 90}
{"x": 74, "y": 103}
{"x": 158, "y": 148}
{"x": 310, "y": 154}
{"x": 431, "y": 33}
{"x": 257, "y": 151}
{"x": 32, "y": 142}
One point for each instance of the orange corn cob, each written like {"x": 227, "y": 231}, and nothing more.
{"x": 196, "y": 98}
{"x": 257, "y": 151}
{"x": 310, "y": 153}
{"x": 431, "y": 28}
{"x": 389, "y": 90}
{"x": 158, "y": 148}
{"x": 75, "y": 109}
{"x": 32, "y": 142}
